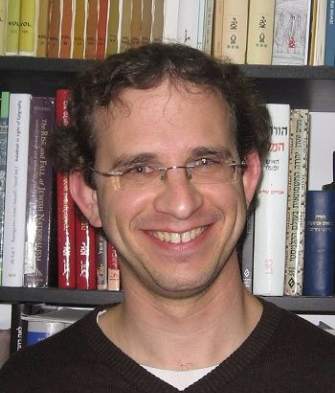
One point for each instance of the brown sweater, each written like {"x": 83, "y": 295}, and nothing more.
{"x": 283, "y": 354}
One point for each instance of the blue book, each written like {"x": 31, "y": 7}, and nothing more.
{"x": 330, "y": 34}
{"x": 319, "y": 244}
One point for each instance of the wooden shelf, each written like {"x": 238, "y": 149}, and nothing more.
{"x": 303, "y": 304}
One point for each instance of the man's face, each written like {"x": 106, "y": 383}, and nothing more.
{"x": 175, "y": 237}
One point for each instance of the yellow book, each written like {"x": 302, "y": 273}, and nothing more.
{"x": 13, "y": 27}
{"x": 234, "y": 30}
{"x": 217, "y": 29}
{"x": 125, "y": 25}
{"x": 146, "y": 21}
{"x": 113, "y": 27}
{"x": 3, "y": 14}
{"x": 78, "y": 45}
{"x": 158, "y": 21}
{"x": 135, "y": 24}
{"x": 260, "y": 31}
{"x": 42, "y": 29}
{"x": 28, "y": 27}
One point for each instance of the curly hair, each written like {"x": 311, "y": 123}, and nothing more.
{"x": 101, "y": 86}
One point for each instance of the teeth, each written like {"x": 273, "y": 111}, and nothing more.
{"x": 175, "y": 238}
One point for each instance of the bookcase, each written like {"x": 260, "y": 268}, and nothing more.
{"x": 300, "y": 86}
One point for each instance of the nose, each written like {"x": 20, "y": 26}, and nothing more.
{"x": 178, "y": 197}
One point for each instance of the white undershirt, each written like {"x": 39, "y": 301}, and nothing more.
{"x": 178, "y": 379}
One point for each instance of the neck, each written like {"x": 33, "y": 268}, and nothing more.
{"x": 184, "y": 334}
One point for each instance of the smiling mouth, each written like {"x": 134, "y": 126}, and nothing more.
{"x": 176, "y": 238}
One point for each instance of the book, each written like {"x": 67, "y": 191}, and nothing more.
{"x": 113, "y": 274}
{"x": 270, "y": 213}
{"x": 171, "y": 9}
{"x": 217, "y": 28}
{"x": 3, "y": 16}
{"x": 201, "y": 25}
{"x": 317, "y": 49}
{"x": 319, "y": 243}
{"x": 260, "y": 31}
{"x": 291, "y": 32}
{"x": 157, "y": 21}
{"x": 13, "y": 27}
{"x": 234, "y": 30}
{"x": 16, "y": 189}
{"x": 113, "y": 27}
{"x": 330, "y": 34}
{"x": 321, "y": 147}
{"x": 296, "y": 202}
{"x": 187, "y": 27}
{"x": 124, "y": 32}
{"x": 91, "y": 29}
{"x": 102, "y": 29}
{"x": 66, "y": 241}
{"x": 86, "y": 268}
{"x": 102, "y": 259}
{"x": 247, "y": 251}
{"x": 54, "y": 28}
{"x": 208, "y": 26}
{"x": 28, "y": 27}
{"x": 4, "y": 117}
{"x": 135, "y": 24}
{"x": 146, "y": 22}
{"x": 66, "y": 29}
{"x": 37, "y": 259}
{"x": 43, "y": 29}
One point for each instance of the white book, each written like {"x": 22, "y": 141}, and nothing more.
{"x": 291, "y": 32}
{"x": 171, "y": 8}
{"x": 201, "y": 24}
{"x": 208, "y": 26}
{"x": 16, "y": 189}
{"x": 270, "y": 213}
{"x": 188, "y": 17}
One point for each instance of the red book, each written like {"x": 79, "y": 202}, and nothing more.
{"x": 65, "y": 209}
{"x": 102, "y": 29}
{"x": 114, "y": 276}
{"x": 86, "y": 264}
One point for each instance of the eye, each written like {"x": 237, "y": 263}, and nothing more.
{"x": 206, "y": 162}
{"x": 138, "y": 170}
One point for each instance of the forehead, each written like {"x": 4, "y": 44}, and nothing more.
{"x": 166, "y": 117}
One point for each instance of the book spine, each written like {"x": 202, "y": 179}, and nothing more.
{"x": 125, "y": 13}
{"x": 217, "y": 29}
{"x": 330, "y": 34}
{"x": 296, "y": 202}
{"x": 171, "y": 8}
{"x": 319, "y": 244}
{"x": 208, "y": 28}
{"x": 54, "y": 28}
{"x": 13, "y": 27}
{"x": 43, "y": 29}
{"x": 187, "y": 29}
{"x": 234, "y": 30}
{"x": 28, "y": 27}
{"x": 260, "y": 31}
{"x": 39, "y": 195}
{"x": 3, "y": 16}
{"x": 79, "y": 30}
{"x": 114, "y": 274}
{"x": 18, "y": 331}
{"x": 135, "y": 24}
{"x": 113, "y": 27}
{"x": 4, "y": 115}
{"x": 158, "y": 21}
{"x": 91, "y": 29}
{"x": 319, "y": 33}
{"x": 291, "y": 32}
{"x": 16, "y": 189}
{"x": 65, "y": 209}
{"x": 201, "y": 25}
{"x": 102, "y": 29}
{"x": 270, "y": 213}
{"x": 65, "y": 42}
{"x": 146, "y": 22}
{"x": 85, "y": 255}
{"x": 102, "y": 258}
{"x": 247, "y": 252}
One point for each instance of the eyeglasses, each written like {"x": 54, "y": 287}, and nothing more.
{"x": 200, "y": 171}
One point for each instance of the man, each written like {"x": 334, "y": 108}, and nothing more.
{"x": 165, "y": 153}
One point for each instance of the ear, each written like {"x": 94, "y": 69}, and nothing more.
{"x": 251, "y": 176}
{"x": 85, "y": 197}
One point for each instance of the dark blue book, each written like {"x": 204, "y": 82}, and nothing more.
{"x": 330, "y": 34}
{"x": 319, "y": 244}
